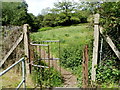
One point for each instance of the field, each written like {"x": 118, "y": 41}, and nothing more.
{"x": 79, "y": 34}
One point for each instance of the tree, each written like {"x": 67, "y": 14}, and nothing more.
{"x": 14, "y": 13}
{"x": 65, "y": 9}
{"x": 49, "y": 20}
{"x": 45, "y": 11}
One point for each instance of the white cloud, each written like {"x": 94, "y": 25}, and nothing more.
{"x": 35, "y": 6}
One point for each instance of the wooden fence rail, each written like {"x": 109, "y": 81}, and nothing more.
{"x": 11, "y": 50}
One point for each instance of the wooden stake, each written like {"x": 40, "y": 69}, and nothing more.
{"x": 26, "y": 47}
{"x": 85, "y": 67}
{"x": 95, "y": 47}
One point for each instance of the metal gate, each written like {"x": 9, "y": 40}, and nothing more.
{"x": 42, "y": 59}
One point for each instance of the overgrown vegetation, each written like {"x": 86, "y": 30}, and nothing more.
{"x": 108, "y": 70}
{"x": 46, "y": 77}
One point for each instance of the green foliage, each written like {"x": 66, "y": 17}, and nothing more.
{"x": 65, "y": 13}
{"x": 35, "y": 22}
{"x": 71, "y": 57}
{"x": 110, "y": 20}
{"x": 49, "y": 20}
{"x": 75, "y": 20}
{"x": 45, "y": 28}
{"x": 108, "y": 71}
{"x": 47, "y": 77}
{"x": 14, "y": 13}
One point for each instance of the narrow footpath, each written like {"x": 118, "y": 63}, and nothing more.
{"x": 70, "y": 80}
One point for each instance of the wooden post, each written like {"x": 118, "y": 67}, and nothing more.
{"x": 85, "y": 67}
{"x": 26, "y": 47}
{"x": 95, "y": 47}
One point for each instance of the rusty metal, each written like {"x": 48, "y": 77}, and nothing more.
{"x": 39, "y": 63}
{"x": 49, "y": 62}
{"x": 44, "y": 62}
{"x": 85, "y": 67}
{"x": 59, "y": 57}
{"x": 31, "y": 52}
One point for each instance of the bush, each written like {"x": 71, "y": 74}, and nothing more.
{"x": 45, "y": 28}
{"x": 108, "y": 72}
{"x": 46, "y": 77}
{"x": 71, "y": 57}
{"x": 75, "y": 20}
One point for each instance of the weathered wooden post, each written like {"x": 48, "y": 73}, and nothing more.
{"x": 26, "y": 47}
{"x": 85, "y": 67}
{"x": 95, "y": 46}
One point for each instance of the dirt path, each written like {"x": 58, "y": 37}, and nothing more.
{"x": 70, "y": 80}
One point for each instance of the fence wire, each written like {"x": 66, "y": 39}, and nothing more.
{"x": 10, "y": 35}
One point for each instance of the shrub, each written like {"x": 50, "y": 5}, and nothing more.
{"x": 107, "y": 72}
{"x": 71, "y": 57}
{"x": 46, "y": 77}
{"x": 45, "y": 28}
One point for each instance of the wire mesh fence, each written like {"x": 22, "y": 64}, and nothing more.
{"x": 10, "y": 35}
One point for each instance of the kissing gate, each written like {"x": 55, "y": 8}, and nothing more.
{"x": 42, "y": 60}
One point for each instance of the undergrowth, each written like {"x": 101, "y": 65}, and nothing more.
{"x": 46, "y": 77}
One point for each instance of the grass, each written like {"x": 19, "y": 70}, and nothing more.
{"x": 67, "y": 35}
{"x": 12, "y": 79}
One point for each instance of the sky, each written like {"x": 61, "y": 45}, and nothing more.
{"x": 35, "y": 6}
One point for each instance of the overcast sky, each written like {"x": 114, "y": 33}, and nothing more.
{"x": 35, "y": 6}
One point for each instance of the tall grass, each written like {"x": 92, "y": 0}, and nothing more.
{"x": 67, "y": 35}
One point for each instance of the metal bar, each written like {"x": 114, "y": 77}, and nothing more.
{"x": 23, "y": 73}
{"x": 44, "y": 62}
{"x": 101, "y": 46}
{"x": 11, "y": 50}
{"x": 3, "y": 72}
{"x": 20, "y": 84}
{"x": 59, "y": 58}
{"x": 40, "y": 70}
{"x": 49, "y": 59}
{"x": 38, "y": 44}
{"x": 40, "y": 66}
{"x": 49, "y": 62}
{"x": 51, "y": 41}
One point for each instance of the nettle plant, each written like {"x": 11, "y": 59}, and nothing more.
{"x": 108, "y": 72}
